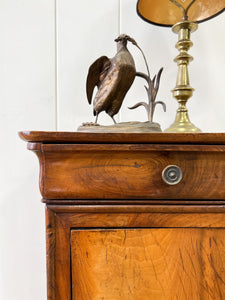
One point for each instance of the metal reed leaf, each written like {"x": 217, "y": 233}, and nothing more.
{"x": 139, "y": 104}
{"x": 158, "y": 79}
{"x": 162, "y": 103}
{"x": 151, "y": 89}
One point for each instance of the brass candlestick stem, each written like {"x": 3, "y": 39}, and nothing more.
{"x": 183, "y": 91}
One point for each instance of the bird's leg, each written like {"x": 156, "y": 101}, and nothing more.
{"x": 96, "y": 119}
{"x": 113, "y": 120}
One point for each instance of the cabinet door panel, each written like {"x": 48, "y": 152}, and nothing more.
{"x": 183, "y": 263}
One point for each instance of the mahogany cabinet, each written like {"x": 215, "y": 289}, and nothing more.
{"x": 133, "y": 216}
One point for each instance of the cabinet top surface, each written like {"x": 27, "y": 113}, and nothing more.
{"x": 54, "y": 137}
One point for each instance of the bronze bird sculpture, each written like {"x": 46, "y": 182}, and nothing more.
{"x": 113, "y": 77}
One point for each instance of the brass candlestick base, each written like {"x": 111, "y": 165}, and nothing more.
{"x": 183, "y": 91}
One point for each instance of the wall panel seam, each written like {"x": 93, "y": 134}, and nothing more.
{"x": 56, "y": 66}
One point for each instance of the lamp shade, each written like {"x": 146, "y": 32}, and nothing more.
{"x": 165, "y": 13}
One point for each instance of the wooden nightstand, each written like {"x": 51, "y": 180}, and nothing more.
{"x": 133, "y": 216}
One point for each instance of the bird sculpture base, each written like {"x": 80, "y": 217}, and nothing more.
{"x": 133, "y": 127}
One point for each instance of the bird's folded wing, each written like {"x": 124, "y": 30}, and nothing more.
{"x": 96, "y": 74}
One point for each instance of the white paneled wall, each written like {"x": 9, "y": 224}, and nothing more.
{"x": 86, "y": 30}
{"x": 46, "y": 48}
{"x": 158, "y": 45}
{"x": 27, "y": 97}
{"x": 208, "y": 75}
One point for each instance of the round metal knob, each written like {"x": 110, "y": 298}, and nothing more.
{"x": 172, "y": 175}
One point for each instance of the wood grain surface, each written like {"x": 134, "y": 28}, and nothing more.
{"x": 61, "y": 220}
{"x": 115, "y": 230}
{"x": 122, "y": 138}
{"x": 122, "y": 219}
{"x": 130, "y": 171}
{"x": 50, "y": 253}
{"x": 151, "y": 264}
{"x": 129, "y": 202}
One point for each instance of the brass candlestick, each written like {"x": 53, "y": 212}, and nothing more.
{"x": 167, "y": 13}
{"x": 183, "y": 91}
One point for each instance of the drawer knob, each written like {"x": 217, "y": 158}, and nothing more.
{"x": 172, "y": 175}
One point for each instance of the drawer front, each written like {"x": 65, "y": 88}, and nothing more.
{"x": 133, "y": 172}
{"x": 162, "y": 263}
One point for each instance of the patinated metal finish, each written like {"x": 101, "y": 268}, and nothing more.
{"x": 113, "y": 77}
{"x": 151, "y": 89}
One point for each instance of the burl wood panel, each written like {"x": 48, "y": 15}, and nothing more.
{"x": 130, "y": 172}
{"x": 151, "y": 264}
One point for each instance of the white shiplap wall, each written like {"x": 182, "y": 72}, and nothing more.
{"x": 85, "y": 32}
{"x": 27, "y": 97}
{"x": 46, "y": 48}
